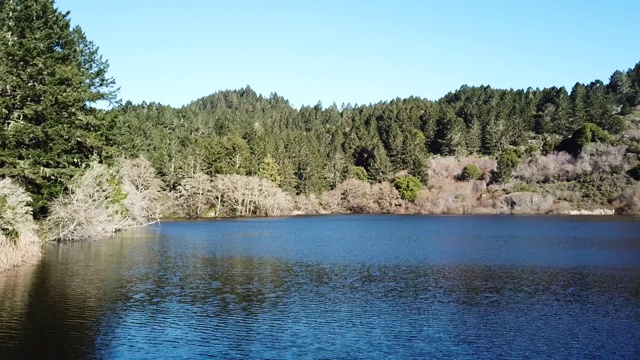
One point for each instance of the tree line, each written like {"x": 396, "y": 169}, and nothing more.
{"x": 315, "y": 148}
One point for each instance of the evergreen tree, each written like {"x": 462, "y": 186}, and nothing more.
{"x": 508, "y": 160}
{"x": 450, "y": 134}
{"x": 49, "y": 76}
{"x": 379, "y": 166}
{"x": 269, "y": 170}
{"x": 579, "y": 104}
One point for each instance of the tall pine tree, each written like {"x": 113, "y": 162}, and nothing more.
{"x": 49, "y": 76}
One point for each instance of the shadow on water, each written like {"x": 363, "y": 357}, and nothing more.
{"x": 52, "y": 308}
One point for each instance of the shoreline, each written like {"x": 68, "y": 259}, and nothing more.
{"x": 596, "y": 212}
{"x": 31, "y": 259}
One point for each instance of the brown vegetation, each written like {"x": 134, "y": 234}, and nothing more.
{"x": 629, "y": 201}
{"x": 251, "y": 196}
{"x": 18, "y": 240}
{"x": 357, "y": 196}
{"x": 105, "y": 200}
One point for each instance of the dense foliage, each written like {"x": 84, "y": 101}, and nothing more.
{"x": 408, "y": 187}
{"x": 49, "y": 75}
{"x": 315, "y": 148}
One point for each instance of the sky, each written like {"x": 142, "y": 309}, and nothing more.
{"x": 354, "y": 51}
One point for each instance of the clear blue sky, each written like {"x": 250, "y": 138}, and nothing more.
{"x": 359, "y": 51}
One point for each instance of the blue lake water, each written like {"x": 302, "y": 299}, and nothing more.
{"x": 335, "y": 287}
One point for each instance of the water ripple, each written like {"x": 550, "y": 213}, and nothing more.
{"x": 203, "y": 292}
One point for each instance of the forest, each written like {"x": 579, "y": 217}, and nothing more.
{"x": 76, "y": 162}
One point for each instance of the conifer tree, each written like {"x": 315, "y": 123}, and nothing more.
{"x": 269, "y": 170}
{"x": 49, "y": 76}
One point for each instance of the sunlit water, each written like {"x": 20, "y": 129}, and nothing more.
{"x": 335, "y": 287}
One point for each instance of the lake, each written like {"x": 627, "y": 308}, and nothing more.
{"x": 335, "y": 287}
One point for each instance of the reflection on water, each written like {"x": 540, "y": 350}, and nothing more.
{"x": 334, "y": 287}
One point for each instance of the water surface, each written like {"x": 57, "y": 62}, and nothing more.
{"x": 335, "y": 287}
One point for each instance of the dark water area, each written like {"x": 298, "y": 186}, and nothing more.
{"x": 335, "y": 287}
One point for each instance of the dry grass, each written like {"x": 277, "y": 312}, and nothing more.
{"x": 25, "y": 250}
{"x": 18, "y": 240}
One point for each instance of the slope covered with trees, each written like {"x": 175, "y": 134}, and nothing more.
{"x": 313, "y": 149}
{"x": 84, "y": 172}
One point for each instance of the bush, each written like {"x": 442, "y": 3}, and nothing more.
{"x": 630, "y": 201}
{"x": 355, "y": 196}
{"x": 470, "y": 172}
{"x": 507, "y": 162}
{"x": 357, "y": 172}
{"x": 549, "y": 143}
{"x": 587, "y": 133}
{"x": 408, "y": 187}
{"x": 18, "y": 240}
{"x": 104, "y": 200}
{"x": 521, "y": 187}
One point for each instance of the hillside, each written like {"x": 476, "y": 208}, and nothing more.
{"x": 71, "y": 170}
{"x": 548, "y": 132}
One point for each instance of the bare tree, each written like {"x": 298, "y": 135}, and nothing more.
{"x": 357, "y": 196}
{"x": 145, "y": 198}
{"x": 248, "y": 196}
{"x": 105, "y": 200}
{"x": 196, "y": 195}
{"x": 92, "y": 209}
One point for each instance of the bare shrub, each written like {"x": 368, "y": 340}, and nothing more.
{"x": 18, "y": 240}
{"x": 633, "y": 133}
{"x": 196, "y": 195}
{"x": 13, "y": 253}
{"x": 602, "y": 157}
{"x": 449, "y": 167}
{"x": 453, "y": 198}
{"x": 350, "y": 196}
{"x": 525, "y": 203}
{"x": 307, "y": 204}
{"x": 386, "y": 197}
{"x": 556, "y": 166}
{"x": 443, "y": 167}
{"x": 92, "y": 209}
{"x": 356, "y": 196}
{"x": 248, "y": 195}
{"x": 104, "y": 200}
{"x": 564, "y": 192}
{"x": 145, "y": 198}
{"x": 561, "y": 166}
{"x": 629, "y": 201}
